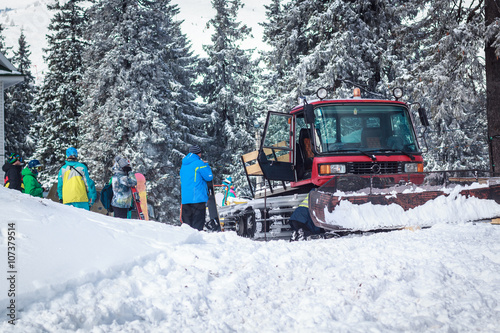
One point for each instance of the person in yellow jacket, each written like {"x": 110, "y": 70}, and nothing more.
{"x": 74, "y": 184}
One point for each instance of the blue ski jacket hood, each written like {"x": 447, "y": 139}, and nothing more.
{"x": 194, "y": 177}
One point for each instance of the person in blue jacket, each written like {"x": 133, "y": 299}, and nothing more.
{"x": 195, "y": 173}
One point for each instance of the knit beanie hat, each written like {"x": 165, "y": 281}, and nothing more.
{"x": 14, "y": 157}
{"x": 195, "y": 149}
{"x": 121, "y": 161}
{"x": 71, "y": 152}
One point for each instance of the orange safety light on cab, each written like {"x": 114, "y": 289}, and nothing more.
{"x": 356, "y": 93}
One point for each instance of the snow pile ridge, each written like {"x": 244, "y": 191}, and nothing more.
{"x": 451, "y": 208}
{"x": 79, "y": 271}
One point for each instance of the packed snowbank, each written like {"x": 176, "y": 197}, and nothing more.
{"x": 81, "y": 271}
{"x": 451, "y": 208}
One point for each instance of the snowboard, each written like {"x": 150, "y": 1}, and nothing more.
{"x": 213, "y": 223}
{"x": 140, "y": 197}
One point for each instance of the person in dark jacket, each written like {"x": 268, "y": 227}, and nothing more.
{"x": 12, "y": 168}
{"x": 31, "y": 184}
{"x": 302, "y": 223}
{"x": 195, "y": 174}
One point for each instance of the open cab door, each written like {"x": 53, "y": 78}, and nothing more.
{"x": 276, "y": 153}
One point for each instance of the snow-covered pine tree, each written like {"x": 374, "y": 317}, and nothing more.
{"x": 287, "y": 45}
{"x": 229, "y": 90}
{"x": 18, "y": 104}
{"x": 3, "y": 47}
{"x": 57, "y": 102}
{"x": 289, "y": 32}
{"x": 446, "y": 72}
{"x": 344, "y": 44}
{"x": 138, "y": 77}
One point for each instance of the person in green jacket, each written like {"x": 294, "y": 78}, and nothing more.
{"x": 31, "y": 184}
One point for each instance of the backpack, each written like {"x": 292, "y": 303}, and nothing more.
{"x": 107, "y": 196}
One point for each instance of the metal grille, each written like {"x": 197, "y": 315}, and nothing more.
{"x": 360, "y": 168}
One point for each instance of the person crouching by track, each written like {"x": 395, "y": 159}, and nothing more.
{"x": 123, "y": 181}
{"x": 301, "y": 222}
{"x": 195, "y": 173}
{"x": 73, "y": 182}
{"x": 31, "y": 184}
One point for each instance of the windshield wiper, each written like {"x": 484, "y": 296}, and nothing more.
{"x": 373, "y": 157}
{"x": 398, "y": 151}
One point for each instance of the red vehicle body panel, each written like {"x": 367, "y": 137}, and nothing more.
{"x": 318, "y": 180}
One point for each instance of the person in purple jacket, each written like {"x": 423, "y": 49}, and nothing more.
{"x": 195, "y": 173}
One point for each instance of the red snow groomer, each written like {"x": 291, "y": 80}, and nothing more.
{"x": 350, "y": 152}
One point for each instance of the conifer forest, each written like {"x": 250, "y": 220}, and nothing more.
{"x": 122, "y": 79}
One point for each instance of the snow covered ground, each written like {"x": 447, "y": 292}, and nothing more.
{"x": 81, "y": 271}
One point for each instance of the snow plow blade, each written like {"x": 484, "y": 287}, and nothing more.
{"x": 364, "y": 203}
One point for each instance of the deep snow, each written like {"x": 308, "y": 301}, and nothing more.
{"x": 81, "y": 271}
{"x": 452, "y": 207}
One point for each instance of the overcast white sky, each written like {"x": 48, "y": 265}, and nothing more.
{"x": 33, "y": 17}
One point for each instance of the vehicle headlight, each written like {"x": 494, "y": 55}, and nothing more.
{"x": 414, "y": 167}
{"x": 329, "y": 169}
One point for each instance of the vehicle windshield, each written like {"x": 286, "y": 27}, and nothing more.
{"x": 363, "y": 128}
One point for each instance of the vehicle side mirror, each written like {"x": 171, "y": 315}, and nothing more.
{"x": 309, "y": 114}
{"x": 423, "y": 117}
